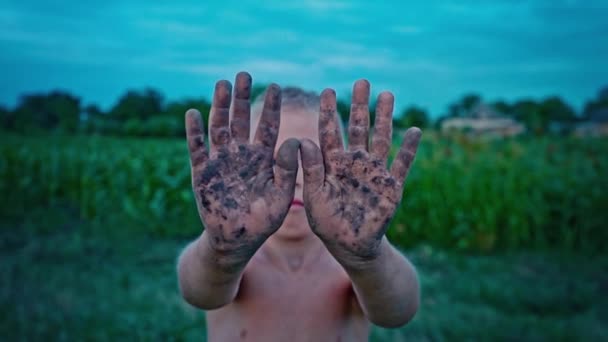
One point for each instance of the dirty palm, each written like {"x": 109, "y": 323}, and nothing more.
{"x": 244, "y": 187}
{"x": 242, "y": 199}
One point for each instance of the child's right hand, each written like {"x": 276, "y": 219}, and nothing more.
{"x": 241, "y": 198}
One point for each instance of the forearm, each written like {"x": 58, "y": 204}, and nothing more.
{"x": 386, "y": 287}
{"x": 207, "y": 278}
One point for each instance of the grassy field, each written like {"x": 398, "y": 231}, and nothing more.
{"x": 63, "y": 280}
{"x": 508, "y": 237}
{"x": 461, "y": 194}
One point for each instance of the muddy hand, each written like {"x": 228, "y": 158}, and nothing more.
{"x": 349, "y": 195}
{"x": 241, "y": 194}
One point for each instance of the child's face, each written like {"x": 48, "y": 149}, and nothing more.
{"x": 297, "y": 123}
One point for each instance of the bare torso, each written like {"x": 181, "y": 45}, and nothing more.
{"x": 309, "y": 302}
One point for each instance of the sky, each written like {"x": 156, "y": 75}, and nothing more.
{"x": 427, "y": 53}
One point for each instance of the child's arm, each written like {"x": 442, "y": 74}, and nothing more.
{"x": 350, "y": 198}
{"x": 208, "y": 279}
{"x": 241, "y": 197}
{"x": 386, "y": 286}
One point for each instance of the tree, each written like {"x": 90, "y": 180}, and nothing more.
{"x": 93, "y": 119}
{"x": 527, "y": 111}
{"x": 91, "y": 112}
{"x": 6, "y": 119}
{"x": 453, "y": 110}
{"x": 138, "y": 105}
{"x": 171, "y": 122}
{"x": 56, "y": 110}
{"x": 177, "y": 109}
{"x": 555, "y": 109}
{"x": 502, "y": 107}
{"x": 603, "y": 93}
{"x": 469, "y": 101}
{"x": 599, "y": 103}
{"x": 462, "y": 107}
{"x": 538, "y": 115}
{"x": 67, "y": 109}
{"x": 343, "y": 108}
{"x": 412, "y": 116}
{"x": 439, "y": 122}
{"x": 372, "y": 111}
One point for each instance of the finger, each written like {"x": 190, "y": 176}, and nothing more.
{"x": 330, "y": 137}
{"x": 358, "y": 126}
{"x": 241, "y": 108}
{"x": 405, "y": 157}
{"x": 268, "y": 128}
{"x": 286, "y": 168}
{"x": 219, "y": 118}
{"x": 196, "y": 138}
{"x": 312, "y": 165}
{"x": 383, "y": 127}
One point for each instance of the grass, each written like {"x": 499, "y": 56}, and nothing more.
{"x": 466, "y": 195}
{"x": 63, "y": 279}
{"x": 90, "y": 228}
{"x": 64, "y": 283}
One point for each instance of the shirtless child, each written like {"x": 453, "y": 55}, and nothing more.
{"x": 296, "y": 252}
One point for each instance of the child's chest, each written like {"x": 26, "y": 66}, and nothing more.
{"x": 315, "y": 292}
{"x": 290, "y": 306}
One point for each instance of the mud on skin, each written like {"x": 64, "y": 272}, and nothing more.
{"x": 225, "y": 196}
{"x": 351, "y": 194}
{"x": 236, "y": 173}
{"x": 363, "y": 199}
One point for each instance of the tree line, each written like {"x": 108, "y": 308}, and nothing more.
{"x": 147, "y": 113}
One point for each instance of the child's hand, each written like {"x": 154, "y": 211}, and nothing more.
{"x": 350, "y": 196}
{"x": 241, "y": 199}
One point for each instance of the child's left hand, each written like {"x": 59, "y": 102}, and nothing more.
{"x": 349, "y": 195}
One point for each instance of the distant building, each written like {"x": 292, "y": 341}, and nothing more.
{"x": 483, "y": 120}
{"x": 595, "y": 126}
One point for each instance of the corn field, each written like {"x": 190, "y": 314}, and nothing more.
{"x": 461, "y": 194}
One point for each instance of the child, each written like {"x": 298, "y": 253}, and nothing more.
{"x": 292, "y": 254}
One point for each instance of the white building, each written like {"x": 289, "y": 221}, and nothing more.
{"x": 484, "y": 120}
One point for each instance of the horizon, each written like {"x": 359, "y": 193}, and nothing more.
{"x": 501, "y": 51}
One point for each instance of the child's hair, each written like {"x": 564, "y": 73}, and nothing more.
{"x": 293, "y": 98}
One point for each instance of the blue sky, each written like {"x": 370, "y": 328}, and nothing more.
{"x": 428, "y": 53}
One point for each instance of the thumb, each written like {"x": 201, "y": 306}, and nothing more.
{"x": 312, "y": 164}
{"x": 286, "y": 168}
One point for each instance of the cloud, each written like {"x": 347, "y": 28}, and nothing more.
{"x": 331, "y": 45}
{"x": 174, "y": 28}
{"x": 520, "y": 67}
{"x": 267, "y": 67}
{"x": 179, "y": 10}
{"x": 430, "y": 50}
{"x": 314, "y": 6}
{"x": 8, "y": 17}
{"x": 406, "y": 29}
{"x": 354, "y": 61}
{"x": 425, "y": 66}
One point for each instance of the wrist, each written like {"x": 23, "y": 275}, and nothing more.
{"x": 361, "y": 262}
{"x": 226, "y": 260}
